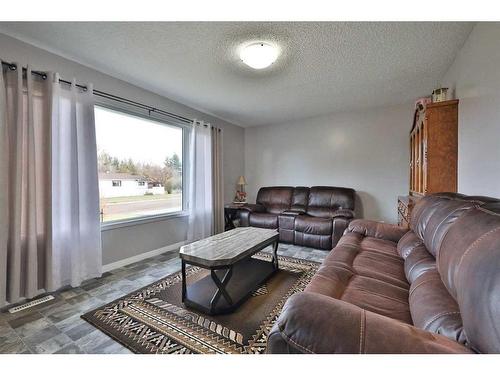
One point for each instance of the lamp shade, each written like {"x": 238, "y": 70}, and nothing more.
{"x": 241, "y": 181}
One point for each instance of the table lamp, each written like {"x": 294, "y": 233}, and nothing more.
{"x": 241, "y": 196}
{"x": 242, "y": 182}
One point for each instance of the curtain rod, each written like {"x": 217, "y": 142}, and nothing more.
{"x": 102, "y": 94}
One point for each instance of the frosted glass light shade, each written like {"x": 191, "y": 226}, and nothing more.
{"x": 259, "y": 55}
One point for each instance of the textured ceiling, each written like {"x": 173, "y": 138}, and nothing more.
{"x": 324, "y": 67}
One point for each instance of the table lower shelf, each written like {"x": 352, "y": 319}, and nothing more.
{"x": 247, "y": 276}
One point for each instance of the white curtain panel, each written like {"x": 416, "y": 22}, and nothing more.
{"x": 200, "y": 200}
{"x": 76, "y": 233}
{"x": 49, "y": 210}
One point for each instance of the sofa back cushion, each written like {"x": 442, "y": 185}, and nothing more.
{"x": 469, "y": 265}
{"x": 434, "y": 214}
{"x": 325, "y": 200}
{"x": 433, "y": 308}
{"x": 452, "y": 260}
{"x": 300, "y": 198}
{"x": 275, "y": 199}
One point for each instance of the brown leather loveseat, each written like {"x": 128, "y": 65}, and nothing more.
{"x": 432, "y": 289}
{"x": 314, "y": 217}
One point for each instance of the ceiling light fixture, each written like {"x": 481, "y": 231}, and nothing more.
{"x": 259, "y": 55}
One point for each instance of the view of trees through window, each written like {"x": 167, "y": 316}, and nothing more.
{"x": 139, "y": 165}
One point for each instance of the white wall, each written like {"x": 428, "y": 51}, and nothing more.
{"x": 130, "y": 241}
{"x": 475, "y": 78}
{"x": 366, "y": 150}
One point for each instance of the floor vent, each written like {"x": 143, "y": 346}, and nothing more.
{"x": 28, "y": 305}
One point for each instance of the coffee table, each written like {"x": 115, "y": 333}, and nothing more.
{"x": 234, "y": 274}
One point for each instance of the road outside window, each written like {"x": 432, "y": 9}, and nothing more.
{"x": 139, "y": 165}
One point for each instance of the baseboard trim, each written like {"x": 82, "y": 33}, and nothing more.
{"x": 124, "y": 262}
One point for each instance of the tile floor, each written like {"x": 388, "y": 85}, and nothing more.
{"x": 56, "y": 326}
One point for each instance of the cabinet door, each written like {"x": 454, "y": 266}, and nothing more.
{"x": 419, "y": 160}
{"x": 412, "y": 162}
{"x": 442, "y": 148}
{"x": 424, "y": 156}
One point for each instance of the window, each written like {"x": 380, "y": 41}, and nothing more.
{"x": 140, "y": 166}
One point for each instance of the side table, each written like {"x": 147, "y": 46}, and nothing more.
{"x": 231, "y": 213}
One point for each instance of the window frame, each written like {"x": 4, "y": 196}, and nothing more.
{"x": 142, "y": 114}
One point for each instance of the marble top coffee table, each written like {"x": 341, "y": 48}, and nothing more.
{"x": 234, "y": 274}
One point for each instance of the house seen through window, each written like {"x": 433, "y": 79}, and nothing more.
{"x": 139, "y": 165}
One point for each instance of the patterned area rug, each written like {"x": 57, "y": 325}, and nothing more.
{"x": 154, "y": 320}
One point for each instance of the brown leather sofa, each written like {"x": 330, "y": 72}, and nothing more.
{"x": 314, "y": 217}
{"x": 432, "y": 289}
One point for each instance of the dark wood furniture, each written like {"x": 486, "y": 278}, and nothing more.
{"x": 231, "y": 215}
{"x": 234, "y": 274}
{"x": 434, "y": 149}
{"x": 433, "y": 155}
{"x": 405, "y": 205}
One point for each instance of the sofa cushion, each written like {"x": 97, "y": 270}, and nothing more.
{"x": 325, "y": 200}
{"x": 469, "y": 265}
{"x": 286, "y": 228}
{"x": 433, "y": 215}
{"x": 371, "y": 228}
{"x": 275, "y": 199}
{"x": 418, "y": 262}
{"x": 300, "y": 198}
{"x": 313, "y": 225}
{"x": 313, "y": 232}
{"x": 263, "y": 220}
{"x": 441, "y": 220}
{"x": 318, "y": 241}
{"x": 433, "y": 308}
{"x": 408, "y": 243}
{"x": 314, "y": 323}
{"x": 370, "y": 257}
{"x": 336, "y": 281}
{"x": 366, "y": 272}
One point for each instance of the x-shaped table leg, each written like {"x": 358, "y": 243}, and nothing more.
{"x": 275, "y": 255}
{"x": 221, "y": 288}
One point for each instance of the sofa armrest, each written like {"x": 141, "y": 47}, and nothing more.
{"x": 371, "y": 228}
{"x": 343, "y": 212}
{"x": 314, "y": 323}
{"x": 253, "y": 207}
{"x": 246, "y": 210}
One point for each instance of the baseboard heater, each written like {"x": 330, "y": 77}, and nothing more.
{"x": 30, "y": 304}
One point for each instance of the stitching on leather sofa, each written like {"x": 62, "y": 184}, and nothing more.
{"x": 362, "y": 331}
{"x": 416, "y": 264}
{"x": 290, "y": 340}
{"x": 369, "y": 274}
{"x": 439, "y": 225}
{"x": 412, "y": 289}
{"x": 378, "y": 294}
{"x": 474, "y": 244}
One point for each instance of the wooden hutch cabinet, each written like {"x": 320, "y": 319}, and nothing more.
{"x": 433, "y": 155}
